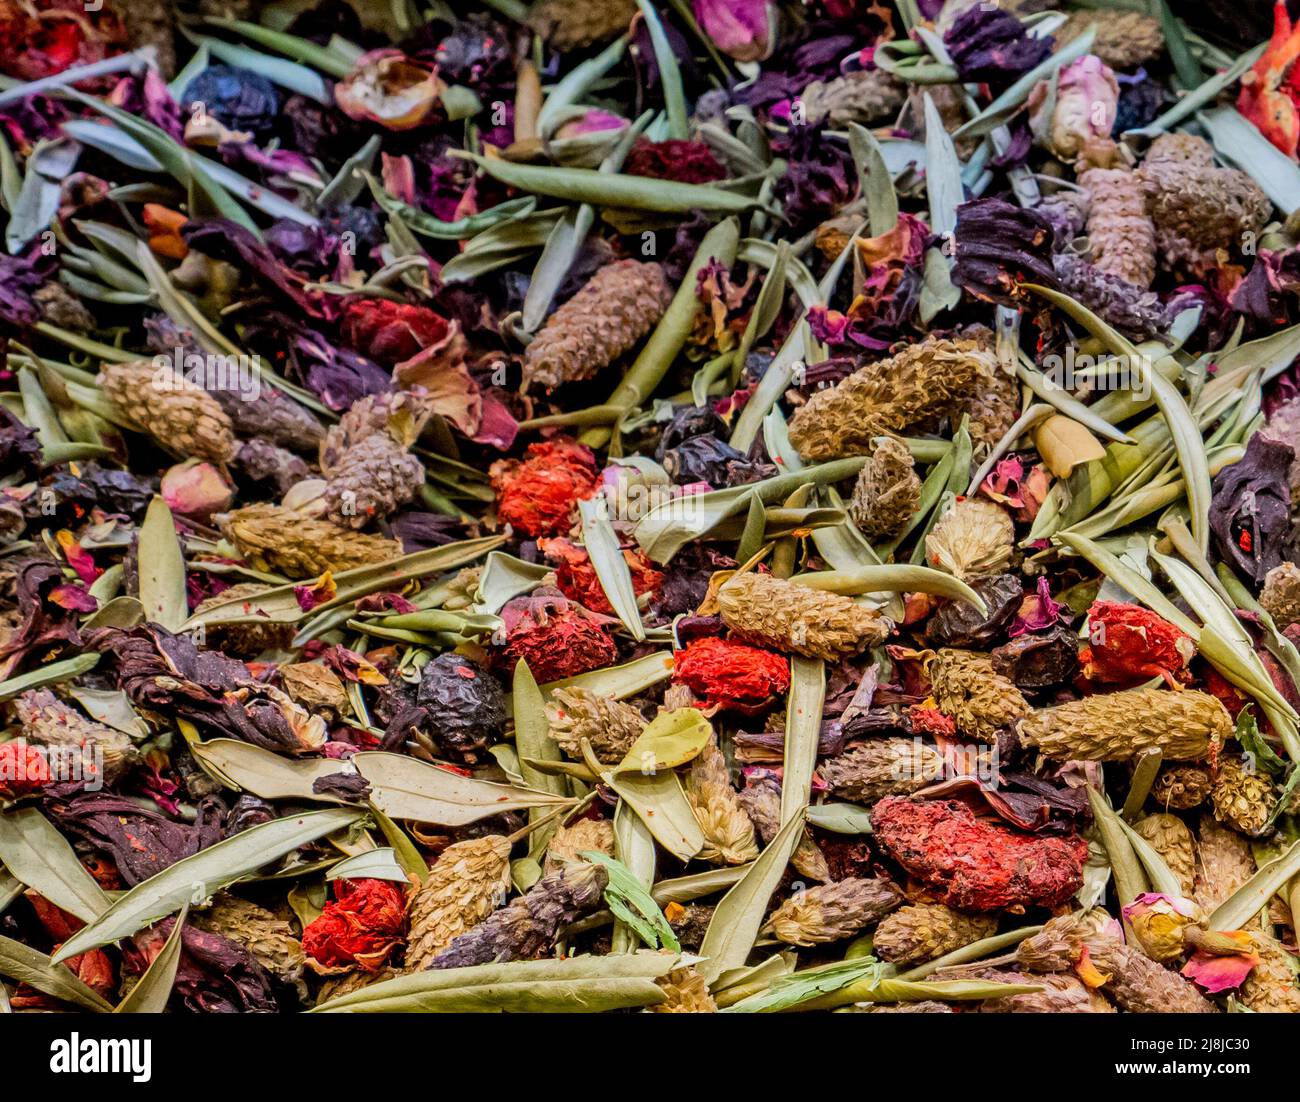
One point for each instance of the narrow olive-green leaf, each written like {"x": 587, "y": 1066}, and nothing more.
{"x": 893, "y": 578}
{"x": 660, "y": 802}
{"x": 626, "y": 896}
{"x": 877, "y": 184}
{"x": 904, "y": 991}
{"x": 204, "y": 874}
{"x": 1130, "y": 580}
{"x": 34, "y": 851}
{"x": 1162, "y": 880}
{"x": 21, "y": 962}
{"x": 1253, "y": 896}
{"x": 1207, "y": 91}
{"x": 291, "y": 46}
{"x": 610, "y": 564}
{"x": 48, "y": 675}
{"x": 976, "y": 950}
{"x": 404, "y": 849}
{"x": 409, "y": 789}
{"x": 162, "y": 568}
{"x": 576, "y": 82}
{"x": 1130, "y": 880}
{"x": 532, "y": 734}
{"x": 840, "y": 818}
{"x": 1238, "y": 141}
{"x": 620, "y": 682}
{"x": 151, "y": 994}
{"x": 38, "y": 412}
{"x": 1066, "y": 403}
{"x": 379, "y": 864}
{"x": 634, "y": 846}
{"x": 803, "y": 727}
{"x": 287, "y": 74}
{"x": 738, "y": 917}
{"x": 265, "y": 774}
{"x": 670, "y": 77}
{"x": 751, "y": 536}
{"x": 810, "y": 983}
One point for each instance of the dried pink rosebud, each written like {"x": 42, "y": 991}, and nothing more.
{"x": 742, "y": 29}
{"x": 196, "y": 489}
{"x": 1159, "y": 923}
{"x": 1087, "y": 96}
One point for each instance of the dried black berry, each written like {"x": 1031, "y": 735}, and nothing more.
{"x": 464, "y": 704}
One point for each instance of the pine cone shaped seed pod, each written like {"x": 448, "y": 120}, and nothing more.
{"x": 400, "y": 415}
{"x": 1281, "y": 595}
{"x": 1122, "y": 236}
{"x": 685, "y": 992}
{"x": 48, "y": 722}
{"x": 1223, "y": 864}
{"x": 269, "y": 938}
{"x": 610, "y": 725}
{"x": 1132, "y": 310}
{"x": 467, "y": 883}
{"x": 1242, "y": 799}
{"x": 919, "y": 382}
{"x": 335, "y": 987}
{"x": 1141, "y": 986}
{"x": 923, "y": 931}
{"x": 832, "y": 912}
{"x": 576, "y": 24}
{"x": 728, "y": 831}
{"x": 526, "y": 927}
{"x": 882, "y": 767}
{"x": 618, "y": 306}
{"x": 1058, "y": 945}
{"x": 568, "y": 843}
{"x": 863, "y": 97}
{"x": 182, "y": 416}
{"x": 1181, "y": 787}
{"x": 974, "y": 537}
{"x": 250, "y": 639}
{"x": 1061, "y": 993}
{"x": 887, "y": 492}
{"x": 993, "y": 409}
{"x": 762, "y": 803}
{"x": 281, "y": 540}
{"x": 978, "y": 698}
{"x": 798, "y": 619}
{"x": 1125, "y": 39}
{"x": 1116, "y": 726}
{"x": 372, "y": 479}
{"x": 1271, "y": 987}
{"x": 1180, "y": 147}
{"x": 1170, "y": 837}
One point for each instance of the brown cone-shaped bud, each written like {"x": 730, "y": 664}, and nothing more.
{"x": 832, "y": 912}
{"x": 863, "y": 97}
{"x": 882, "y": 767}
{"x": 1062, "y": 993}
{"x": 1125, "y": 39}
{"x": 798, "y": 619}
{"x": 48, "y": 722}
{"x": 923, "y": 931}
{"x": 1117, "y": 726}
{"x": 685, "y": 992}
{"x": 610, "y": 725}
{"x": 993, "y": 409}
{"x": 887, "y": 492}
{"x": 276, "y": 539}
{"x": 978, "y": 698}
{"x": 526, "y": 928}
{"x": 1281, "y": 594}
{"x": 1242, "y": 798}
{"x": 761, "y": 799}
{"x": 1224, "y": 863}
{"x": 182, "y": 416}
{"x": 728, "y": 831}
{"x": 1170, "y": 837}
{"x": 618, "y": 306}
{"x": 1122, "y": 236}
{"x": 399, "y": 415}
{"x": 1058, "y": 946}
{"x": 1181, "y": 787}
{"x": 469, "y": 881}
{"x": 371, "y": 481}
{"x": 918, "y": 383}
{"x": 575, "y": 24}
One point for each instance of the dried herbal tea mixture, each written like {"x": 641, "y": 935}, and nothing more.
{"x": 686, "y": 506}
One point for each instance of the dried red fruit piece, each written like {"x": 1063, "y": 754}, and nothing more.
{"x": 1131, "y": 644}
{"x": 537, "y": 496}
{"x": 733, "y": 675}
{"x": 359, "y": 927}
{"x": 389, "y": 332}
{"x": 23, "y": 769}
{"x": 973, "y": 864}
{"x": 577, "y": 577}
{"x": 556, "y": 637}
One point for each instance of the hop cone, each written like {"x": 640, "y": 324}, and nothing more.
{"x": 269, "y": 938}
{"x": 1181, "y": 787}
{"x": 887, "y": 492}
{"x": 1271, "y": 986}
{"x": 1129, "y": 308}
{"x": 882, "y": 767}
{"x": 466, "y": 884}
{"x": 978, "y": 698}
{"x": 974, "y": 537}
{"x": 568, "y": 843}
{"x": 610, "y": 725}
{"x": 251, "y": 639}
{"x": 526, "y": 927}
{"x": 575, "y": 24}
{"x": 1122, "y": 236}
{"x": 373, "y": 478}
{"x": 1117, "y": 726}
{"x": 832, "y": 912}
{"x": 1242, "y": 800}
{"x": 180, "y": 415}
{"x": 273, "y": 538}
{"x": 685, "y": 992}
{"x": 921, "y": 932}
{"x": 1125, "y": 39}
{"x": 619, "y": 305}
{"x": 1281, "y": 595}
{"x": 861, "y": 97}
{"x": 1223, "y": 864}
{"x": 1170, "y": 837}
{"x": 47, "y": 721}
{"x": 761, "y": 799}
{"x": 921, "y": 382}
{"x": 798, "y": 619}
{"x": 728, "y": 832}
